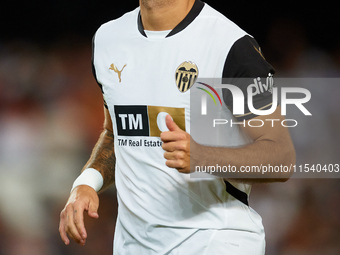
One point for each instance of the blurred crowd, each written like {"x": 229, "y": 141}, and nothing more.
{"x": 51, "y": 114}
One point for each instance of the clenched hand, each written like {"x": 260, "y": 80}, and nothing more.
{"x": 176, "y": 144}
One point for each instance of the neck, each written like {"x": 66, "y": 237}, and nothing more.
{"x": 158, "y": 15}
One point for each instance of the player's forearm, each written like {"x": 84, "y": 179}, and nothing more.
{"x": 255, "y": 156}
{"x": 103, "y": 158}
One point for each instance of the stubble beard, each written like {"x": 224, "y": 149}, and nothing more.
{"x": 151, "y": 4}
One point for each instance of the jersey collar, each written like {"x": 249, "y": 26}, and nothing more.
{"x": 195, "y": 10}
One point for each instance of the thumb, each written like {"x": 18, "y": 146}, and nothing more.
{"x": 93, "y": 210}
{"x": 172, "y": 126}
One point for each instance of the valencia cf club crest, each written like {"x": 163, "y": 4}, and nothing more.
{"x": 186, "y": 75}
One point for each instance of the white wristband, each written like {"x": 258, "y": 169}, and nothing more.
{"x": 90, "y": 177}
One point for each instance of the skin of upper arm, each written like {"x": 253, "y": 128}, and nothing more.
{"x": 107, "y": 120}
{"x": 272, "y": 130}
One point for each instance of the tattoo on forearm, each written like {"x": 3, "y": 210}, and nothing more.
{"x": 103, "y": 158}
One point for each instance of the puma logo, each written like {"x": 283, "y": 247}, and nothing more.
{"x": 115, "y": 69}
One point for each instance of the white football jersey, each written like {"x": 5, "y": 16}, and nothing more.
{"x": 142, "y": 78}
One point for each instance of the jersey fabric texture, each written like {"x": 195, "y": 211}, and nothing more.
{"x": 160, "y": 208}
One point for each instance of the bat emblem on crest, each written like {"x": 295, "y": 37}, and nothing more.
{"x": 186, "y": 76}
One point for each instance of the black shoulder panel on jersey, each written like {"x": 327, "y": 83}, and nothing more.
{"x": 245, "y": 60}
{"x": 244, "y": 64}
{"x": 94, "y": 70}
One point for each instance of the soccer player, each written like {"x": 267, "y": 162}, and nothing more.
{"x": 145, "y": 63}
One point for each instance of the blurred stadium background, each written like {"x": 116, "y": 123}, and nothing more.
{"x": 51, "y": 116}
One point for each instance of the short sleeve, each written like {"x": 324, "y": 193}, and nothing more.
{"x": 245, "y": 66}
{"x": 94, "y": 71}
